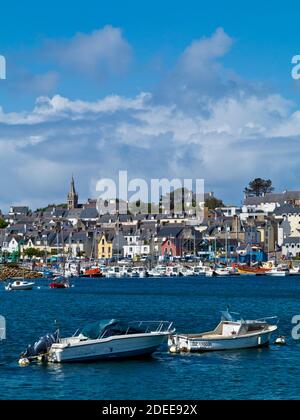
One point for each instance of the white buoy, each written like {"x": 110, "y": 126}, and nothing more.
{"x": 24, "y": 362}
{"x": 280, "y": 341}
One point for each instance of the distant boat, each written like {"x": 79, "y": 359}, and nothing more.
{"x": 232, "y": 333}
{"x": 93, "y": 272}
{"x": 279, "y": 272}
{"x": 249, "y": 270}
{"x": 295, "y": 271}
{"x": 60, "y": 283}
{"x": 222, "y": 272}
{"x": 19, "y": 285}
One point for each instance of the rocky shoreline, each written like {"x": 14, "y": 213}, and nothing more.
{"x": 14, "y": 271}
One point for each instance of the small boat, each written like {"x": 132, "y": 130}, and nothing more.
{"x": 60, "y": 283}
{"x": 174, "y": 271}
{"x": 232, "y": 333}
{"x": 280, "y": 271}
{"x": 210, "y": 272}
{"x": 158, "y": 271}
{"x": 103, "y": 340}
{"x": 222, "y": 272}
{"x": 92, "y": 273}
{"x": 251, "y": 270}
{"x": 19, "y": 285}
{"x": 295, "y": 271}
{"x": 115, "y": 272}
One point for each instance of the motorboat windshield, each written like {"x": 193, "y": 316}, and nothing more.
{"x": 109, "y": 328}
{"x": 97, "y": 329}
{"x": 236, "y": 318}
{"x": 230, "y": 316}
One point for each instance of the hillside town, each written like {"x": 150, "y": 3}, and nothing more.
{"x": 265, "y": 227}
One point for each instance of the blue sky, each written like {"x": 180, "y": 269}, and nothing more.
{"x": 207, "y": 83}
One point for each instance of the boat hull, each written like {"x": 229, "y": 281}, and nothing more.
{"x": 21, "y": 288}
{"x": 123, "y": 347}
{"x": 184, "y": 343}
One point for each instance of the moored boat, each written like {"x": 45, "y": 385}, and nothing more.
{"x": 232, "y": 333}
{"x": 280, "y": 271}
{"x": 60, "y": 283}
{"x": 92, "y": 273}
{"x": 251, "y": 271}
{"x": 103, "y": 340}
{"x": 19, "y": 285}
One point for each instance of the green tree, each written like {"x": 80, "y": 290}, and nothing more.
{"x": 3, "y": 224}
{"x": 259, "y": 187}
{"x": 32, "y": 252}
{"x": 212, "y": 203}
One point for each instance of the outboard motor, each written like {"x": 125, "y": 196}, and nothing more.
{"x": 42, "y": 346}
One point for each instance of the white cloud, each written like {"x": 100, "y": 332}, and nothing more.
{"x": 219, "y": 128}
{"x": 98, "y": 54}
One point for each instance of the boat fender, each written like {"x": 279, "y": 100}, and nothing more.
{"x": 280, "y": 341}
{"x": 24, "y": 362}
{"x": 173, "y": 349}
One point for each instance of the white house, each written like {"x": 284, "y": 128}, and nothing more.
{"x": 136, "y": 250}
{"x": 11, "y": 245}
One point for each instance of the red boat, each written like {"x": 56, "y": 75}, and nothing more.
{"x": 60, "y": 283}
{"x": 93, "y": 273}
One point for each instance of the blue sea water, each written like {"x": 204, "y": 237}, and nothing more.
{"x": 192, "y": 303}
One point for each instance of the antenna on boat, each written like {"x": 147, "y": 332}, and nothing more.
{"x": 57, "y": 326}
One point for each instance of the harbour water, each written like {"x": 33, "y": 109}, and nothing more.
{"x": 192, "y": 303}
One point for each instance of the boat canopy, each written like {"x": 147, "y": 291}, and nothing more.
{"x": 110, "y": 328}
{"x": 95, "y": 330}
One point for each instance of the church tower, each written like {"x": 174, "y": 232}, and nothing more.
{"x": 72, "y": 196}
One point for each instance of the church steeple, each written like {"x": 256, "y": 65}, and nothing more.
{"x": 72, "y": 196}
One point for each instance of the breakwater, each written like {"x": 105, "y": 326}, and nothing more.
{"x": 11, "y": 271}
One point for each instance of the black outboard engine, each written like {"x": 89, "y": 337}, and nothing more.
{"x": 42, "y": 346}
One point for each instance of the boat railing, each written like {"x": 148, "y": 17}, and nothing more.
{"x": 268, "y": 319}
{"x": 152, "y": 326}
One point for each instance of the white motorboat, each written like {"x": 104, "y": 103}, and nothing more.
{"x": 110, "y": 340}
{"x": 115, "y": 272}
{"x": 140, "y": 272}
{"x": 210, "y": 272}
{"x": 174, "y": 271}
{"x": 158, "y": 271}
{"x": 19, "y": 285}
{"x": 222, "y": 272}
{"x": 295, "y": 271}
{"x": 280, "y": 271}
{"x": 231, "y": 334}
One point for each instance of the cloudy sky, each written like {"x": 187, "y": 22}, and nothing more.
{"x": 190, "y": 89}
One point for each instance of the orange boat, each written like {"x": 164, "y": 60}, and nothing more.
{"x": 93, "y": 273}
{"x": 254, "y": 271}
